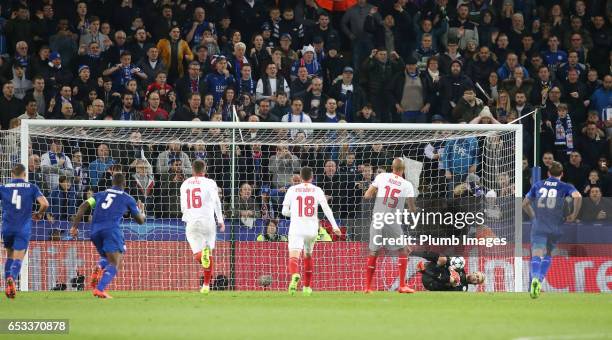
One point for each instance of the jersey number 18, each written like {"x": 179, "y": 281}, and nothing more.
{"x": 306, "y": 206}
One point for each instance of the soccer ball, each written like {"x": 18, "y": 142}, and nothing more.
{"x": 457, "y": 262}
{"x": 265, "y": 280}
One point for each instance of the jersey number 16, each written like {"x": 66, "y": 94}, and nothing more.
{"x": 194, "y": 200}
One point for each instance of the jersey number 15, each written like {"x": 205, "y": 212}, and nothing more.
{"x": 391, "y": 197}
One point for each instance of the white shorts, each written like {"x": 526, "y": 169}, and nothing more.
{"x": 200, "y": 235}
{"x": 302, "y": 242}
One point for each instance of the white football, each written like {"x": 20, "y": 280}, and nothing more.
{"x": 457, "y": 262}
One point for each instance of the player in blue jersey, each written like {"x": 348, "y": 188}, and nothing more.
{"x": 544, "y": 204}
{"x": 109, "y": 207}
{"x": 17, "y": 199}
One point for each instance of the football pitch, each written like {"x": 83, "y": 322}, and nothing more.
{"x": 324, "y": 315}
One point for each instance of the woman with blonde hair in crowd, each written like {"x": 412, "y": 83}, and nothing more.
{"x": 502, "y": 105}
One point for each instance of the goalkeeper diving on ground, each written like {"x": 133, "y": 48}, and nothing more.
{"x": 440, "y": 274}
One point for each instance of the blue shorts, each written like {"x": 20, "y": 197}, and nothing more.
{"x": 108, "y": 241}
{"x": 544, "y": 239}
{"x": 16, "y": 240}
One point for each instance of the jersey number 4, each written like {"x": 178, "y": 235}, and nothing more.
{"x": 548, "y": 198}
{"x": 306, "y": 206}
{"x": 16, "y": 200}
{"x": 194, "y": 200}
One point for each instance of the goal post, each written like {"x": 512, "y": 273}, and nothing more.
{"x": 253, "y": 163}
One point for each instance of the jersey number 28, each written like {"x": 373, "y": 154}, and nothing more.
{"x": 548, "y": 198}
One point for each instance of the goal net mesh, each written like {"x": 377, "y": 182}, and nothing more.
{"x": 254, "y": 167}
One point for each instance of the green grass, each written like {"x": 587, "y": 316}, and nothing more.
{"x": 266, "y": 315}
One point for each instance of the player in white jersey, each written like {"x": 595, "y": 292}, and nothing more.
{"x": 301, "y": 204}
{"x": 200, "y": 204}
{"x": 392, "y": 192}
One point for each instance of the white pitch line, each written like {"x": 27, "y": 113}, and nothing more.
{"x": 566, "y": 337}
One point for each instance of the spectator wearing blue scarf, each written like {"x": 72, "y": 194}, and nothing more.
{"x": 297, "y": 116}
{"x": 564, "y": 134}
{"x": 308, "y": 60}
{"x": 246, "y": 84}
{"x": 54, "y": 164}
{"x": 21, "y": 54}
{"x": 124, "y": 72}
{"x": 221, "y": 79}
{"x": 126, "y": 111}
{"x": 349, "y": 95}
{"x": 193, "y": 30}
{"x": 330, "y": 115}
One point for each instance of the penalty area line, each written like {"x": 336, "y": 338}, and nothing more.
{"x": 566, "y": 337}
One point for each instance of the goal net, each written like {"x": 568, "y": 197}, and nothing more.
{"x": 455, "y": 169}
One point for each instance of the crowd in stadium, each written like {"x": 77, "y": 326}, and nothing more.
{"x": 425, "y": 61}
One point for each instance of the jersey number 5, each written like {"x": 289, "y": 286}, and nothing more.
{"x": 306, "y": 206}
{"x": 16, "y": 200}
{"x": 391, "y": 197}
{"x": 108, "y": 201}
{"x": 194, "y": 200}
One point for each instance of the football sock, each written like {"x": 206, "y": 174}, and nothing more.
{"x": 15, "y": 268}
{"x": 208, "y": 272}
{"x": 293, "y": 265}
{"x": 536, "y": 265}
{"x": 402, "y": 265}
{"x": 307, "y": 271}
{"x": 7, "y": 268}
{"x": 370, "y": 268}
{"x": 546, "y": 262}
{"x": 103, "y": 263}
{"x": 109, "y": 273}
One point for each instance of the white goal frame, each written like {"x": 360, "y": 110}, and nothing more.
{"x": 234, "y": 126}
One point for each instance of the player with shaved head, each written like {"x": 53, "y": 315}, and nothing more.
{"x": 391, "y": 192}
